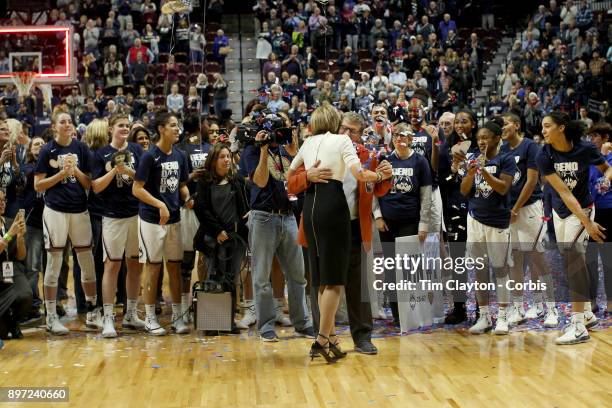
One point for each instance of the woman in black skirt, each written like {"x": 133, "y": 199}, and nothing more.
{"x": 327, "y": 218}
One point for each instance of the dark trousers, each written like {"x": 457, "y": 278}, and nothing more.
{"x": 395, "y": 229}
{"x": 21, "y": 293}
{"x": 357, "y": 301}
{"x": 603, "y": 216}
{"x": 457, "y": 236}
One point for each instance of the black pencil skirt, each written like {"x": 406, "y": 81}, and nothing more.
{"x": 327, "y": 225}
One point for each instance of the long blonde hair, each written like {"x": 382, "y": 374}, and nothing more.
{"x": 96, "y": 135}
{"x": 15, "y": 127}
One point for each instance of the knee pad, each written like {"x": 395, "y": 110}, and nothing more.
{"x": 54, "y": 266}
{"x": 88, "y": 269}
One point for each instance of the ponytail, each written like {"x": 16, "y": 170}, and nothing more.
{"x": 574, "y": 129}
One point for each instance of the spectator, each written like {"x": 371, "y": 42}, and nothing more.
{"x": 495, "y": 107}
{"x": 113, "y": 73}
{"x": 138, "y": 70}
{"x": 445, "y": 26}
{"x": 221, "y": 48}
{"x": 397, "y": 77}
{"x": 379, "y": 33}
{"x": 425, "y": 28}
{"x": 88, "y": 70}
{"x": 90, "y": 113}
{"x": 128, "y": 36}
{"x": 220, "y": 94}
{"x": 293, "y": 62}
{"x": 348, "y": 61}
{"x": 175, "y": 101}
{"x": 147, "y": 54}
{"x": 569, "y": 12}
{"x": 584, "y": 118}
{"x": 584, "y": 16}
{"x": 197, "y": 42}
{"x": 530, "y": 44}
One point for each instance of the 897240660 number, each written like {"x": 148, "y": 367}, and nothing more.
{"x": 34, "y": 394}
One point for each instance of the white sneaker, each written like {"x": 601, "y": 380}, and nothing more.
{"x": 552, "y": 317}
{"x": 55, "y": 326}
{"x": 281, "y": 318}
{"x": 249, "y": 318}
{"x": 483, "y": 324}
{"x": 590, "y": 319}
{"x": 132, "y": 321}
{"x": 536, "y": 311}
{"x": 381, "y": 315}
{"x": 573, "y": 333}
{"x": 153, "y": 327}
{"x": 179, "y": 326}
{"x": 94, "y": 319}
{"x": 109, "y": 326}
{"x": 501, "y": 326}
{"x": 516, "y": 315}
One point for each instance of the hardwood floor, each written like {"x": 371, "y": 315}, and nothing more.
{"x": 442, "y": 368}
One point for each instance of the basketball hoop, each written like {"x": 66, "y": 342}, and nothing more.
{"x": 176, "y": 7}
{"x": 23, "y": 81}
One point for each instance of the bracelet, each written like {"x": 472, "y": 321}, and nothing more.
{"x": 7, "y": 237}
{"x": 514, "y": 213}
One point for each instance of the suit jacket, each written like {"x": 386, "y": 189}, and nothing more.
{"x": 298, "y": 183}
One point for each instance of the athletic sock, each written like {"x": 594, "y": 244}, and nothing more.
{"x": 184, "y": 303}
{"x": 150, "y": 312}
{"x": 108, "y": 309}
{"x": 131, "y": 307}
{"x": 51, "y": 306}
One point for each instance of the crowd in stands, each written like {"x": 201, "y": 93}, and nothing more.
{"x": 131, "y": 58}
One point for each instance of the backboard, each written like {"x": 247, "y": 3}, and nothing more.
{"x": 45, "y": 50}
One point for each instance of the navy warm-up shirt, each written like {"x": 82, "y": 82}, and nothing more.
{"x": 68, "y": 195}
{"x": 524, "y": 156}
{"x": 403, "y": 201}
{"x": 485, "y": 205}
{"x": 196, "y": 156}
{"x": 423, "y": 145}
{"x": 117, "y": 198}
{"x": 573, "y": 168}
{"x": 163, "y": 174}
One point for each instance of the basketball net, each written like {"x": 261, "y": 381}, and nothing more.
{"x": 176, "y": 7}
{"x": 23, "y": 82}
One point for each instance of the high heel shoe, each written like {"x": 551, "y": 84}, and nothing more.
{"x": 322, "y": 350}
{"x": 333, "y": 347}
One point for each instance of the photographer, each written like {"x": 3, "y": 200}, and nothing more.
{"x": 273, "y": 231}
{"x": 221, "y": 207}
{"x": 15, "y": 291}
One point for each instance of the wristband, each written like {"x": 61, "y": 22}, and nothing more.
{"x": 7, "y": 237}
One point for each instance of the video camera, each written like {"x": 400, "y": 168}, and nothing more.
{"x": 269, "y": 122}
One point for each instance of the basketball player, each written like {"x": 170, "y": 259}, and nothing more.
{"x": 62, "y": 174}
{"x": 527, "y": 224}
{"x": 160, "y": 184}
{"x": 564, "y": 162}
{"x": 114, "y": 167}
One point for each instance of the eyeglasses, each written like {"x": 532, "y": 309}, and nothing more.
{"x": 36, "y": 144}
{"x": 446, "y": 124}
{"x": 398, "y": 135}
{"x": 353, "y": 132}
